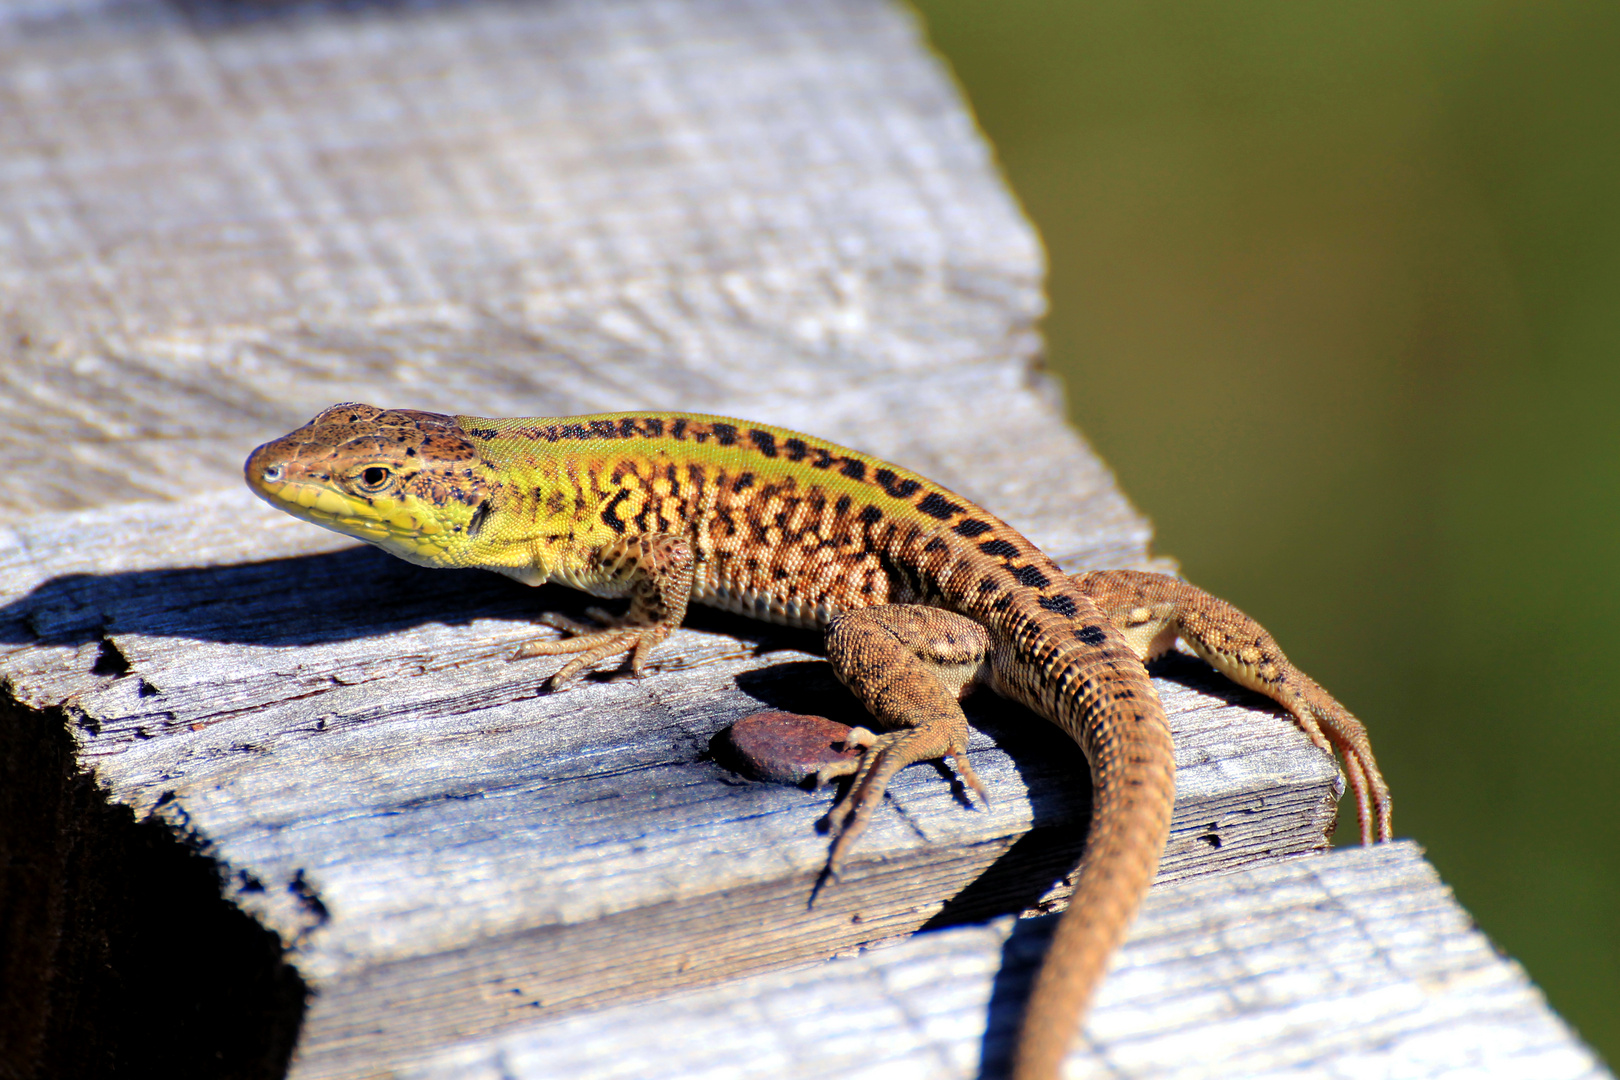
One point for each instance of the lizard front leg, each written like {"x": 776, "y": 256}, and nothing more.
{"x": 910, "y": 666}
{"x": 655, "y": 572}
{"x": 1153, "y": 610}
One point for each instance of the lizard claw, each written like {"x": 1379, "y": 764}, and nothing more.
{"x": 883, "y": 756}
{"x": 593, "y": 646}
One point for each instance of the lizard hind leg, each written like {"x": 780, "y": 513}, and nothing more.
{"x": 1153, "y": 610}
{"x": 910, "y": 666}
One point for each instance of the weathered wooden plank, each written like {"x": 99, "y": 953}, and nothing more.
{"x": 448, "y": 850}
{"x": 765, "y": 208}
{"x": 1356, "y": 964}
{"x": 219, "y": 218}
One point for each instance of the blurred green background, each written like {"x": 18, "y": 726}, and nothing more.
{"x": 1335, "y": 288}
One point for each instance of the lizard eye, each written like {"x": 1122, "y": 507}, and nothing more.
{"x": 272, "y": 475}
{"x": 374, "y": 478}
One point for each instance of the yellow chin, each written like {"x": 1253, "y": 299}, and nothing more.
{"x": 385, "y": 522}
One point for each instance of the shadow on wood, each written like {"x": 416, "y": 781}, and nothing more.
{"x": 1026, "y": 871}
{"x": 303, "y": 600}
{"x": 205, "y": 16}
{"x": 307, "y": 600}
{"x": 1020, "y": 957}
{"x": 121, "y": 955}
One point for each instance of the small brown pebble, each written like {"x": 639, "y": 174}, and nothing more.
{"x": 783, "y": 747}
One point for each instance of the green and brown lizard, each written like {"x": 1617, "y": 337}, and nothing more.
{"x": 922, "y": 594}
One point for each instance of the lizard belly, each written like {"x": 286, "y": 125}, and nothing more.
{"x": 767, "y": 606}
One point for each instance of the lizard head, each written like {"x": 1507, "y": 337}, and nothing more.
{"x": 410, "y": 482}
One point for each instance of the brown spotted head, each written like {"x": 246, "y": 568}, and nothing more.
{"x": 408, "y": 481}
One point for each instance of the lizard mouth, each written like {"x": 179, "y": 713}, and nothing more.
{"x": 323, "y": 506}
{"x": 382, "y": 521}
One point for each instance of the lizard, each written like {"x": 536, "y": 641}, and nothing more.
{"x": 922, "y": 596}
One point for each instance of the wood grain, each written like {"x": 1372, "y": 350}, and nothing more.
{"x": 223, "y": 217}
{"x": 447, "y": 849}
{"x": 1357, "y": 964}
{"x": 218, "y": 217}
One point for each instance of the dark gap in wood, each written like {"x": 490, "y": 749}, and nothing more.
{"x": 119, "y": 954}
{"x": 110, "y": 660}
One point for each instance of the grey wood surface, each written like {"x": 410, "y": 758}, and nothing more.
{"x": 448, "y": 850}
{"x": 1358, "y": 964}
{"x": 218, "y": 217}
{"x": 223, "y": 216}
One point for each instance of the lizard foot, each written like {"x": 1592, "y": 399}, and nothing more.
{"x": 883, "y": 756}
{"x": 594, "y": 644}
{"x": 1152, "y": 611}
{"x": 910, "y": 667}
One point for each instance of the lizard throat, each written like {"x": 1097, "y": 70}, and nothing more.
{"x": 383, "y": 522}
